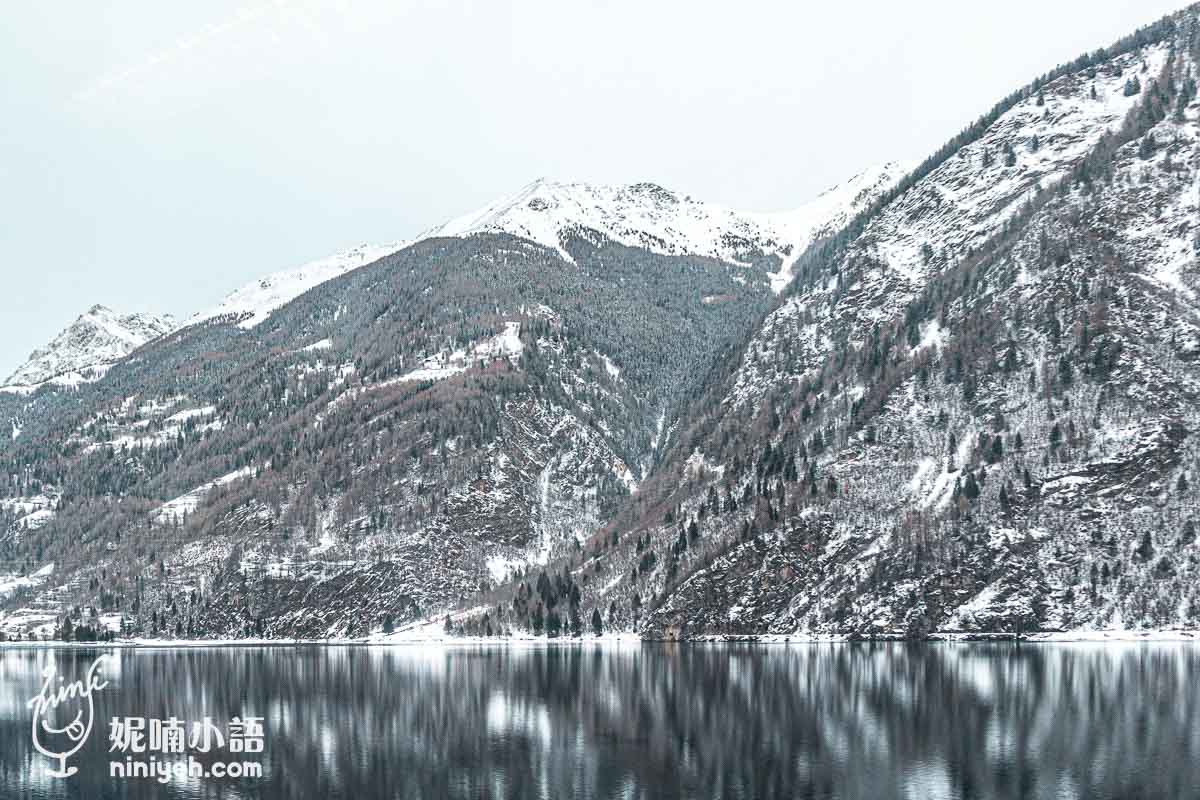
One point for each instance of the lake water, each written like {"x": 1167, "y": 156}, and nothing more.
{"x": 634, "y": 721}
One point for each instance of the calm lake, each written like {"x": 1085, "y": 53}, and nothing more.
{"x": 625, "y": 721}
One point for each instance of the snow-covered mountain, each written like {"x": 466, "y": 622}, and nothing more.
{"x": 254, "y": 302}
{"x": 972, "y": 410}
{"x": 662, "y": 221}
{"x": 638, "y": 215}
{"x": 88, "y": 346}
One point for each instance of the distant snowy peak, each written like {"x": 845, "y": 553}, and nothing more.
{"x": 638, "y": 215}
{"x": 649, "y": 216}
{"x": 254, "y": 302}
{"x": 89, "y": 346}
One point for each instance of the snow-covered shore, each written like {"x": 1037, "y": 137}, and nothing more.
{"x": 423, "y": 638}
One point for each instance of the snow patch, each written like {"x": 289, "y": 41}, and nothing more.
{"x": 324, "y": 344}
{"x": 175, "y": 510}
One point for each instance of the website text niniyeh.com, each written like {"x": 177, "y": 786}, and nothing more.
{"x": 164, "y": 771}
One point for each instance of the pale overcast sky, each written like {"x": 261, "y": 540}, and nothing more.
{"x": 154, "y": 156}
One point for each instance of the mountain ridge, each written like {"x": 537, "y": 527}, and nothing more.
{"x": 648, "y": 215}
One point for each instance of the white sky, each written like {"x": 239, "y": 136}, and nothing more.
{"x": 155, "y": 156}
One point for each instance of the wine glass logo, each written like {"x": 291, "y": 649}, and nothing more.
{"x": 74, "y": 696}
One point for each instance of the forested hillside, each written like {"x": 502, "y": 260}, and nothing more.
{"x": 417, "y": 428}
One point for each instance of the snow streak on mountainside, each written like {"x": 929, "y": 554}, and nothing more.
{"x": 648, "y": 216}
{"x": 254, "y": 302}
{"x": 98, "y": 338}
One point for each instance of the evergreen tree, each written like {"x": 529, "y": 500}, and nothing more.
{"x": 1145, "y": 550}
{"x": 1066, "y": 373}
{"x": 597, "y": 623}
{"x": 1010, "y": 357}
{"x": 1010, "y": 156}
{"x": 970, "y": 487}
{"x": 1147, "y": 147}
{"x": 996, "y": 451}
{"x": 1055, "y": 435}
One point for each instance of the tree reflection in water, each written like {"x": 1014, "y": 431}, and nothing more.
{"x": 839, "y": 721}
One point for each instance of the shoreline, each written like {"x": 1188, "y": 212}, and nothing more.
{"x": 629, "y": 639}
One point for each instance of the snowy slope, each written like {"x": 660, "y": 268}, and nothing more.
{"x": 254, "y": 302}
{"x": 662, "y": 221}
{"x": 972, "y": 195}
{"x": 957, "y": 207}
{"x": 81, "y": 353}
{"x": 829, "y": 211}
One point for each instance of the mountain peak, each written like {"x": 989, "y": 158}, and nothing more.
{"x": 648, "y": 215}
{"x": 88, "y": 346}
{"x": 643, "y": 214}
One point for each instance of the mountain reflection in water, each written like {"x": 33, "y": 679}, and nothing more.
{"x": 648, "y": 721}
